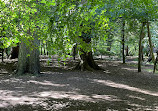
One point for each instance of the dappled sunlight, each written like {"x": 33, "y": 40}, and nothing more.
{"x": 27, "y": 94}
{"x": 76, "y": 78}
{"x": 105, "y": 97}
{"x": 115, "y": 65}
{"x": 59, "y": 90}
{"x": 12, "y": 80}
{"x": 54, "y": 105}
{"x": 143, "y": 108}
{"x": 13, "y": 98}
{"x": 1, "y": 74}
{"x": 58, "y": 99}
{"x": 136, "y": 105}
{"x": 50, "y": 72}
{"x": 101, "y": 65}
{"x": 127, "y": 87}
{"x": 76, "y": 96}
{"x": 133, "y": 62}
{"x": 130, "y": 69}
{"x": 63, "y": 95}
{"x": 47, "y": 83}
{"x": 136, "y": 97}
{"x": 3, "y": 71}
{"x": 107, "y": 71}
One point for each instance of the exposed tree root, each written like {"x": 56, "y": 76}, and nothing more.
{"x": 87, "y": 63}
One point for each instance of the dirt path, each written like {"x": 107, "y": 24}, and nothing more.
{"x": 118, "y": 88}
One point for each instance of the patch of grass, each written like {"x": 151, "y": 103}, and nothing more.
{"x": 135, "y": 59}
{"x": 150, "y": 63}
{"x": 144, "y": 68}
{"x": 133, "y": 65}
{"x": 149, "y": 70}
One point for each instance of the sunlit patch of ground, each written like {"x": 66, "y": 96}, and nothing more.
{"x": 118, "y": 88}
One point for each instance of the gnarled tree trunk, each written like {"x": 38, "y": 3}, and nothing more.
{"x": 87, "y": 62}
{"x": 86, "y": 59}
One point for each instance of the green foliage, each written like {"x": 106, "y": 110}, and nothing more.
{"x": 61, "y": 23}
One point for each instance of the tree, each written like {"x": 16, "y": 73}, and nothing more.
{"x": 123, "y": 41}
{"x": 62, "y": 23}
{"x": 150, "y": 43}
{"x": 87, "y": 62}
{"x": 144, "y": 11}
{"x": 142, "y": 34}
{"x": 77, "y": 25}
{"x": 26, "y": 21}
{"x": 28, "y": 60}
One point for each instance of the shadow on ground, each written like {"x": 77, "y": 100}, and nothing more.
{"x": 118, "y": 88}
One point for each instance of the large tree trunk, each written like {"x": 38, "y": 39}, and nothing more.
{"x": 87, "y": 62}
{"x": 14, "y": 52}
{"x": 86, "y": 59}
{"x": 150, "y": 43}
{"x": 142, "y": 34}
{"x": 28, "y": 60}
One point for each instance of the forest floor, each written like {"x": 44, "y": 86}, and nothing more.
{"x": 119, "y": 88}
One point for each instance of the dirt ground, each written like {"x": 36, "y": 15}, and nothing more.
{"x": 119, "y": 88}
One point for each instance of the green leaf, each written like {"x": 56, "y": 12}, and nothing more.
{"x": 28, "y": 55}
{"x": 43, "y": 1}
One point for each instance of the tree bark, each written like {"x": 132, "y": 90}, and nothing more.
{"x": 3, "y": 55}
{"x": 74, "y": 51}
{"x": 1, "y": 43}
{"x": 2, "y": 52}
{"x": 86, "y": 59}
{"x": 41, "y": 48}
{"x": 14, "y": 52}
{"x": 127, "y": 51}
{"x": 150, "y": 43}
{"x": 28, "y": 60}
{"x": 87, "y": 62}
{"x": 142, "y": 34}
{"x": 47, "y": 48}
{"x": 142, "y": 53}
{"x": 44, "y": 49}
{"x": 109, "y": 43}
{"x": 123, "y": 41}
{"x": 155, "y": 63}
